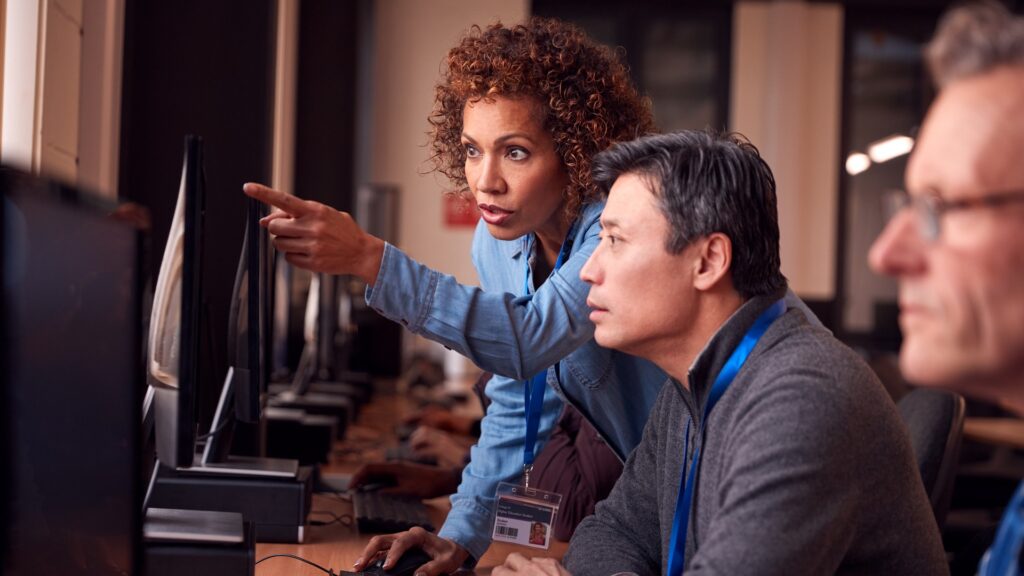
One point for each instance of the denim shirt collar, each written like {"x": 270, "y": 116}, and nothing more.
{"x": 514, "y": 249}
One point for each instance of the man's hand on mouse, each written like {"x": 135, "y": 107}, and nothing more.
{"x": 517, "y": 564}
{"x": 447, "y": 555}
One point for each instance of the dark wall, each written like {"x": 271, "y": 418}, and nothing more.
{"x": 330, "y": 34}
{"x": 193, "y": 66}
{"x": 325, "y": 101}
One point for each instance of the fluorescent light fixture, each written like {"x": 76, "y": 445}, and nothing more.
{"x": 857, "y": 163}
{"x": 889, "y": 148}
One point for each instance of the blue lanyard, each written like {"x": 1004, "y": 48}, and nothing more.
{"x": 1003, "y": 558}
{"x": 677, "y": 554}
{"x": 534, "y": 387}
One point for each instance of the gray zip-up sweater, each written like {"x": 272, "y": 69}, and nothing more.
{"x": 806, "y": 469}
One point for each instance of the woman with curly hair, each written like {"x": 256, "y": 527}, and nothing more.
{"x": 519, "y": 114}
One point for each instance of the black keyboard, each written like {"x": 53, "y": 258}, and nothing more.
{"x": 378, "y": 513}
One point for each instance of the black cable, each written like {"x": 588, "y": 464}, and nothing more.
{"x": 340, "y": 496}
{"x": 344, "y": 519}
{"x": 228, "y": 418}
{"x": 327, "y": 571}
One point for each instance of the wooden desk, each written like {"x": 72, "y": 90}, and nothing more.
{"x": 1007, "y": 432}
{"x": 337, "y": 546}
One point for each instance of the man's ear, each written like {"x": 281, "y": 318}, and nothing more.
{"x": 714, "y": 261}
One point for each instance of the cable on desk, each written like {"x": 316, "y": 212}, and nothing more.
{"x": 327, "y": 571}
{"x": 340, "y": 496}
{"x": 344, "y": 519}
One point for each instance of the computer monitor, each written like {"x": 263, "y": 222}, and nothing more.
{"x": 256, "y": 341}
{"x": 244, "y": 386}
{"x": 173, "y": 358}
{"x": 185, "y": 490}
{"x": 327, "y": 340}
{"x": 248, "y": 318}
{"x": 175, "y": 336}
{"x": 69, "y": 383}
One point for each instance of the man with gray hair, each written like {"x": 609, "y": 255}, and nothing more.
{"x": 957, "y": 249}
{"x": 772, "y": 448}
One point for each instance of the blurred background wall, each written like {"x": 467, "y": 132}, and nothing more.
{"x": 321, "y": 98}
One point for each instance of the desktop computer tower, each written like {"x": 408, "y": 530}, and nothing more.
{"x": 278, "y": 507}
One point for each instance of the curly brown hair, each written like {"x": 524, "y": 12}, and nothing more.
{"x": 589, "y": 100}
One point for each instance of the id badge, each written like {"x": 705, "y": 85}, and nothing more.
{"x": 525, "y": 515}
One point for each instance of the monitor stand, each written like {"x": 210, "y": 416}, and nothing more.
{"x": 172, "y": 525}
{"x": 215, "y": 459}
{"x": 339, "y": 399}
{"x": 277, "y": 506}
{"x": 247, "y": 466}
{"x": 293, "y": 433}
{"x": 275, "y": 494}
{"x": 198, "y": 542}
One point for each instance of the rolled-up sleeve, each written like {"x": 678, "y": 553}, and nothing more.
{"x": 501, "y": 332}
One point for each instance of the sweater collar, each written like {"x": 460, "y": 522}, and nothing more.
{"x": 716, "y": 352}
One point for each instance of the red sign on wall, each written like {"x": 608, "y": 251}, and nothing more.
{"x": 459, "y": 212}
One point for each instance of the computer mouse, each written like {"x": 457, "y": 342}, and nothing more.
{"x": 405, "y": 566}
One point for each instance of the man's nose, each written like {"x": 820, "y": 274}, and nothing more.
{"x": 899, "y": 249}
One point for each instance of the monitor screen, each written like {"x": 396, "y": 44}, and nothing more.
{"x": 248, "y": 339}
{"x": 174, "y": 325}
{"x": 70, "y": 383}
{"x": 249, "y": 316}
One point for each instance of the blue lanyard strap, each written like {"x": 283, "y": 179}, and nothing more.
{"x": 680, "y": 524}
{"x": 1003, "y": 558}
{"x": 534, "y": 387}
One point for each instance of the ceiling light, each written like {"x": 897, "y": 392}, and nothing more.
{"x": 857, "y": 163}
{"x": 889, "y": 148}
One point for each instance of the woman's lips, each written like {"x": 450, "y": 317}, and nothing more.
{"x": 493, "y": 214}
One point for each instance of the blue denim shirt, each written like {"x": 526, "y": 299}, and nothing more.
{"x": 1004, "y": 555}
{"x": 516, "y": 337}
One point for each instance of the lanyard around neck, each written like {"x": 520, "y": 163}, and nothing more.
{"x": 680, "y": 524}
{"x": 534, "y": 387}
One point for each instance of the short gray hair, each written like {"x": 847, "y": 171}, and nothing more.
{"x": 975, "y": 39}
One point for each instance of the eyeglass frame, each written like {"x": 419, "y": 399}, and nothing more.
{"x": 929, "y": 207}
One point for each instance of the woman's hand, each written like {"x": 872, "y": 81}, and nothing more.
{"x": 516, "y": 563}
{"x": 407, "y": 479}
{"x": 317, "y": 237}
{"x": 450, "y": 451}
{"x": 442, "y": 419}
{"x": 447, "y": 555}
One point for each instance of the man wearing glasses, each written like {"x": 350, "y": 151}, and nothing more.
{"x": 957, "y": 245}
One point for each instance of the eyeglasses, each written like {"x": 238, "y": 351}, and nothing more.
{"x": 929, "y": 207}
